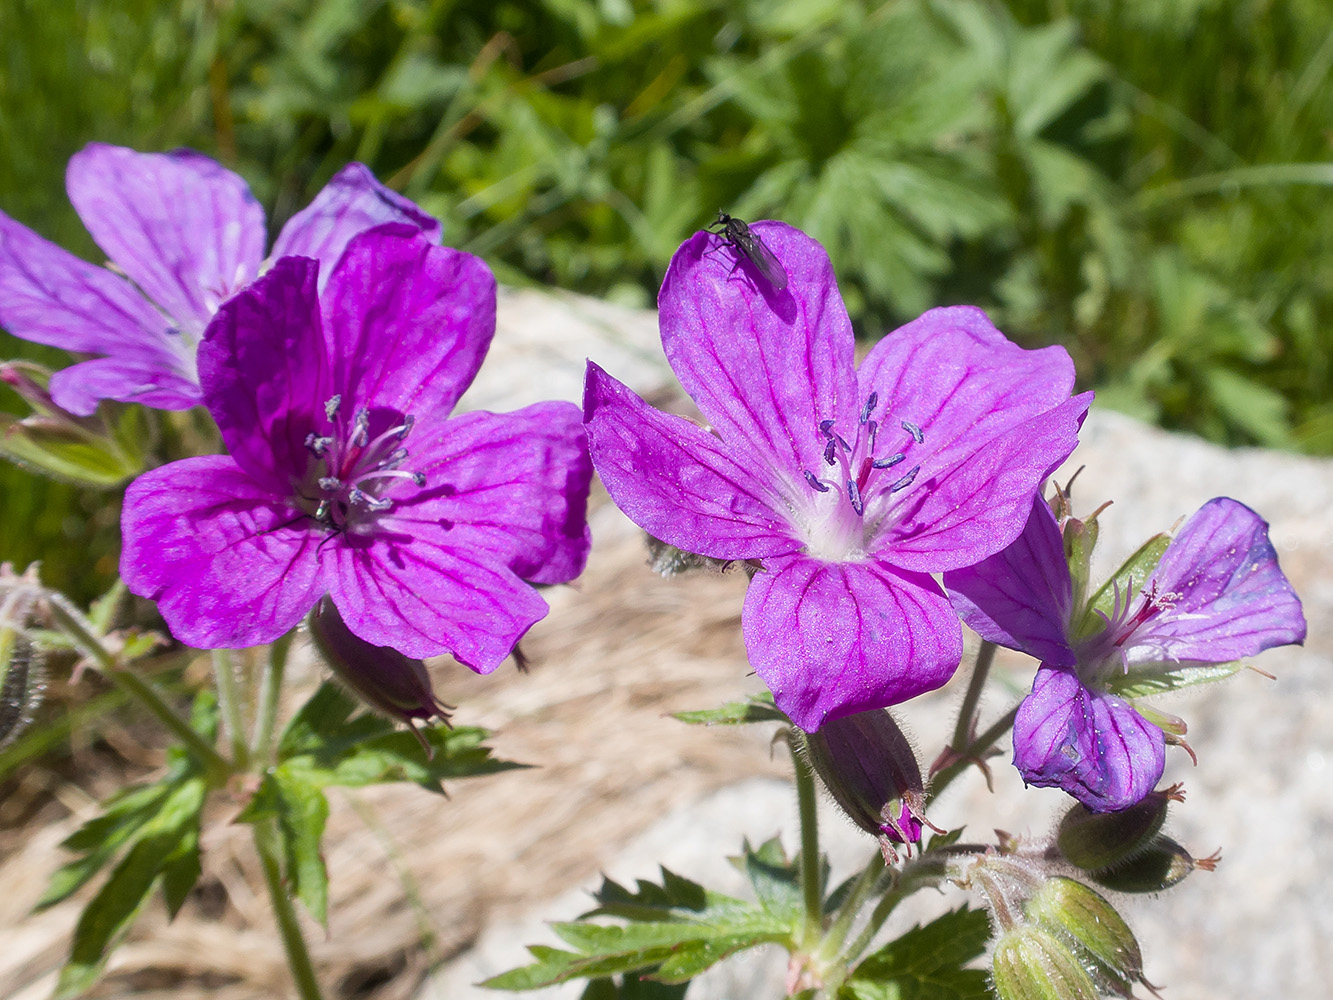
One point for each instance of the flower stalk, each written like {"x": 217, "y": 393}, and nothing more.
{"x": 293, "y": 941}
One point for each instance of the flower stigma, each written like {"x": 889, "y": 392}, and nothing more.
{"x": 859, "y": 471}
{"x": 356, "y": 469}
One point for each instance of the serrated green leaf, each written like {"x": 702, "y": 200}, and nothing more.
{"x": 927, "y": 963}
{"x": 757, "y": 708}
{"x": 776, "y": 881}
{"x": 329, "y": 745}
{"x": 301, "y": 810}
{"x": 181, "y": 871}
{"x": 110, "y": 913}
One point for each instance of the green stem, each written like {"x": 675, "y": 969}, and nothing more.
{"x": 224, "y": 673}
{"x": 811, "y": 890}
{"x": 862, "y": 889}
{"x": 270, "y": 691}
{"x": 973, "y": 752}
{"x": 298, "y": 956}
{"x": 74, "y": 625}
{"x": 962, "y": 733}
{"x": 926, "y": 870}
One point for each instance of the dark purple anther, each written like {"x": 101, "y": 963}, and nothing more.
{"x": 906, "y": 480}
{"x": 914, "y": 430}
{"x": 854, "y": 495}
{"x": 888, "y": 463}
{"x": 869, "y": 408}
{"x": 821, "y": 486}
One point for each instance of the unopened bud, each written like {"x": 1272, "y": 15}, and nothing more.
{"x": 384, "y": 678}
{"x": 1032, "y": 964}
{"x": 22, "y": 665}
{"x": 1160, "y": 865}
{"x": 1092, "y": 841}
{"x": 57, "y": 443}
{"x": 668, "y": 560}
{"x": 870, "y": 769}
{"x": 1099, "y": 936}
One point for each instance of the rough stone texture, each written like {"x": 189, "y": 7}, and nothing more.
{"x": 621, "y": 786}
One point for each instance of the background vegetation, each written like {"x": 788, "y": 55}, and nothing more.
{"x": 1144, "y": 181}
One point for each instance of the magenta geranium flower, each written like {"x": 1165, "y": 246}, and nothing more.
{"x": 184, "y": 233}
{"x": 346, "y": 475}
{"x": 849, "y": 487}
{"x": 1217, "y": 595}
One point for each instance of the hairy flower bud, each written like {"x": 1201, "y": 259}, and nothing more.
{"x": 1093, "y": 841}
{"x": 870, "y": 769}
{"x": 1100, "y": 938}
{"x": 1160, "y": 865}
{"x": 1032, "y": 964}
{"x": 384, "y": 678}
{"x": 22, "y": 665}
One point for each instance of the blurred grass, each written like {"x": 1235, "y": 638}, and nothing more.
{"x": 1147, "y": 183}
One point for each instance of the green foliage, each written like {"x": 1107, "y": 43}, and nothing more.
{"x": 758, "y": 707}
{"x": 154, "y": 830}
{"x": 1144, "y": 183}
{"x": 671, "y": 931}
{"x": 328, "y": 744}
{"x": 926, "y": 963}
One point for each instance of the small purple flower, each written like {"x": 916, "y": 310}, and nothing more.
{"x": 347, "y": 477}
{"x": 185, "y": 234}
{"x": 849, "y": 487}
{"x": 1216, "y": 595}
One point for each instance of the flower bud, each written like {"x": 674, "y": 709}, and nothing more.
{"x": 22, "y": 665}
{"x": 1092, "y": 841}
{"x": 1160, "y": 865}
{"x": 1099, "y": 936}
{"x": 59, "y": 444}
{"x": 1032, "y": 964}
{"x": 870, "y": 769}
{"x": 382, "y": 677}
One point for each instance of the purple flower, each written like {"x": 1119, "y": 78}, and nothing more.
{"x": 347, "y": 477}
{"x": 849, "y": 487}
{"x": 186, "y": 234}
{"x": 1216, "y": 595}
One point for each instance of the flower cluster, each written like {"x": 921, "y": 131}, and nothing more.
{"x": 848, "y": 486}
{"x": 1217, "y": 595}
{"x": 183, "y": 234}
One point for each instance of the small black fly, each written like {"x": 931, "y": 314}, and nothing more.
{"x": 736, "y": 232}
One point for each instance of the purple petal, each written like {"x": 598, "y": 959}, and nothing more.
{"x": 677, "y": 481}
{"x": 833, "y": 639}
{"x": 1093, "y": 745}
{"x": 765, "y": 366}
{"x": 79, "y": 387}
{"x": 264, "y": 373}
{"x": 424, "y": 598}
{"x": 1022, "y": 596}
{"x": 227, "y": 564}
{"x": 408, "y": 323}
{"x": 995, "y": 420}
{"x": 352, "y": 202}
{"x": 513, "y": 486}
{"x": 49, "y": 296}
{"x": 1226, "y": 596}
{"x": 183, "y": 227}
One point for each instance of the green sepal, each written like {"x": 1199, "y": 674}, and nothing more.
{"x": 66, "y": 451}
{"x": 926, "y": 963}
{"x": 1144, "y": 680}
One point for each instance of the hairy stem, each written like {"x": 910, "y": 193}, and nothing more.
{"x": 811, "y": 889}
{"x": 72, "y": 622}
{"x": 962, "y": 732}
{"x": 293, "y": 942}
{"x": 224, "y": 672}
{"x": 270, "y": 690}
